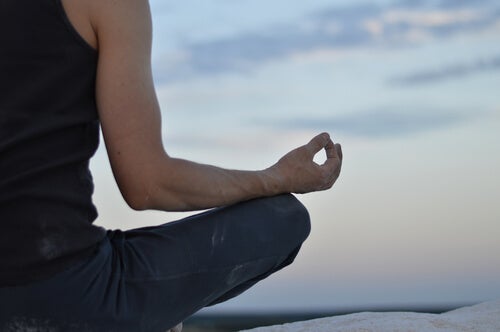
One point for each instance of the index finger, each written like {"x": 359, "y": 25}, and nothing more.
{"x": 318, "y": 143}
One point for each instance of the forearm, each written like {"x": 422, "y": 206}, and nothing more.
{"x": 181, "y": 185}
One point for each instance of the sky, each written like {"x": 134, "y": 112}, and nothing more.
{"x": 410, "y": 90}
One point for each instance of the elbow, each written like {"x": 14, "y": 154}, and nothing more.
{"x": 142, "y": 197}
{"x": 140, "y": 178}
{"x": 161, "y": 200}
{"x": 136, "y": 193}
{"x": 149, "y": 189}
{"x": 136, "y": 204}
{"x": 136, "y": 199}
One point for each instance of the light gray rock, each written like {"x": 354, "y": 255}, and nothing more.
{"x": 484, "y": 317}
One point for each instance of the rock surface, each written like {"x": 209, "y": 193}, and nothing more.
{"x": 484, "y": 317}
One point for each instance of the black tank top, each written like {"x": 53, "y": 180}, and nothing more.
{"x": 48, "y": 132}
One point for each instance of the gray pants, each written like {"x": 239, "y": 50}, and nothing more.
{"x": 152, "y": 278}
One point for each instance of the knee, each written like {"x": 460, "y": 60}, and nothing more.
{"x": 291, "y": 216}
{"x": 300, "y": 220}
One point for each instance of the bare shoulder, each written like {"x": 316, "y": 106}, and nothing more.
{"x": 96, "y": 20}
{"x": 78, "y": 14}
{"x": 115, "y": 19}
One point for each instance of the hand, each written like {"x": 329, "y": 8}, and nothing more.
{"x": 300, "y": 174}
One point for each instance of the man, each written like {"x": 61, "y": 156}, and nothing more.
{"x": 66, "y": 66}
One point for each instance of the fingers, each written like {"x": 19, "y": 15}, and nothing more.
{"x": 333, "y": 156}
{"x": 330, "y": 150}
{"x": 303, "y": 173}
{"x": 333, "y": 163}
{"x": 338, "y": 148}
{"x": 323, "y": 141}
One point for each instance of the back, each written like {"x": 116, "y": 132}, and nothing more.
{"x": 48, "y": 132}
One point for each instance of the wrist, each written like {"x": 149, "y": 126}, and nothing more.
{"x": 275, "y": 182}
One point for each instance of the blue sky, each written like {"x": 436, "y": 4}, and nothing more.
{"x": 410, "y": 89}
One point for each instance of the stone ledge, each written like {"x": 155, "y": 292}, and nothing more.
{"x": 484, "y": 317}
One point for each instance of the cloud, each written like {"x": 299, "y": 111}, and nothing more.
{"x": 378, "y": 124}
{"x": 446, "y": 73}
{"x": 445, "y": 3}
{"x": 334, "y": 28}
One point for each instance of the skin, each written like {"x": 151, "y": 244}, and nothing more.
{"x": 148, "y": 178}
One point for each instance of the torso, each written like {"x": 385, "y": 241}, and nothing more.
{"x": 49, "y": 130}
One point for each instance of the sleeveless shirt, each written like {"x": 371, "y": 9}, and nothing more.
{"x": 49, "y": 130}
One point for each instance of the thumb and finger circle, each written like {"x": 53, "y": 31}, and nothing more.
{"x": 323, "y": 141}
{"x": 334, "y": 156}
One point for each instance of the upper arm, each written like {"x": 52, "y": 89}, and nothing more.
{"x": 126, "y": 99}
